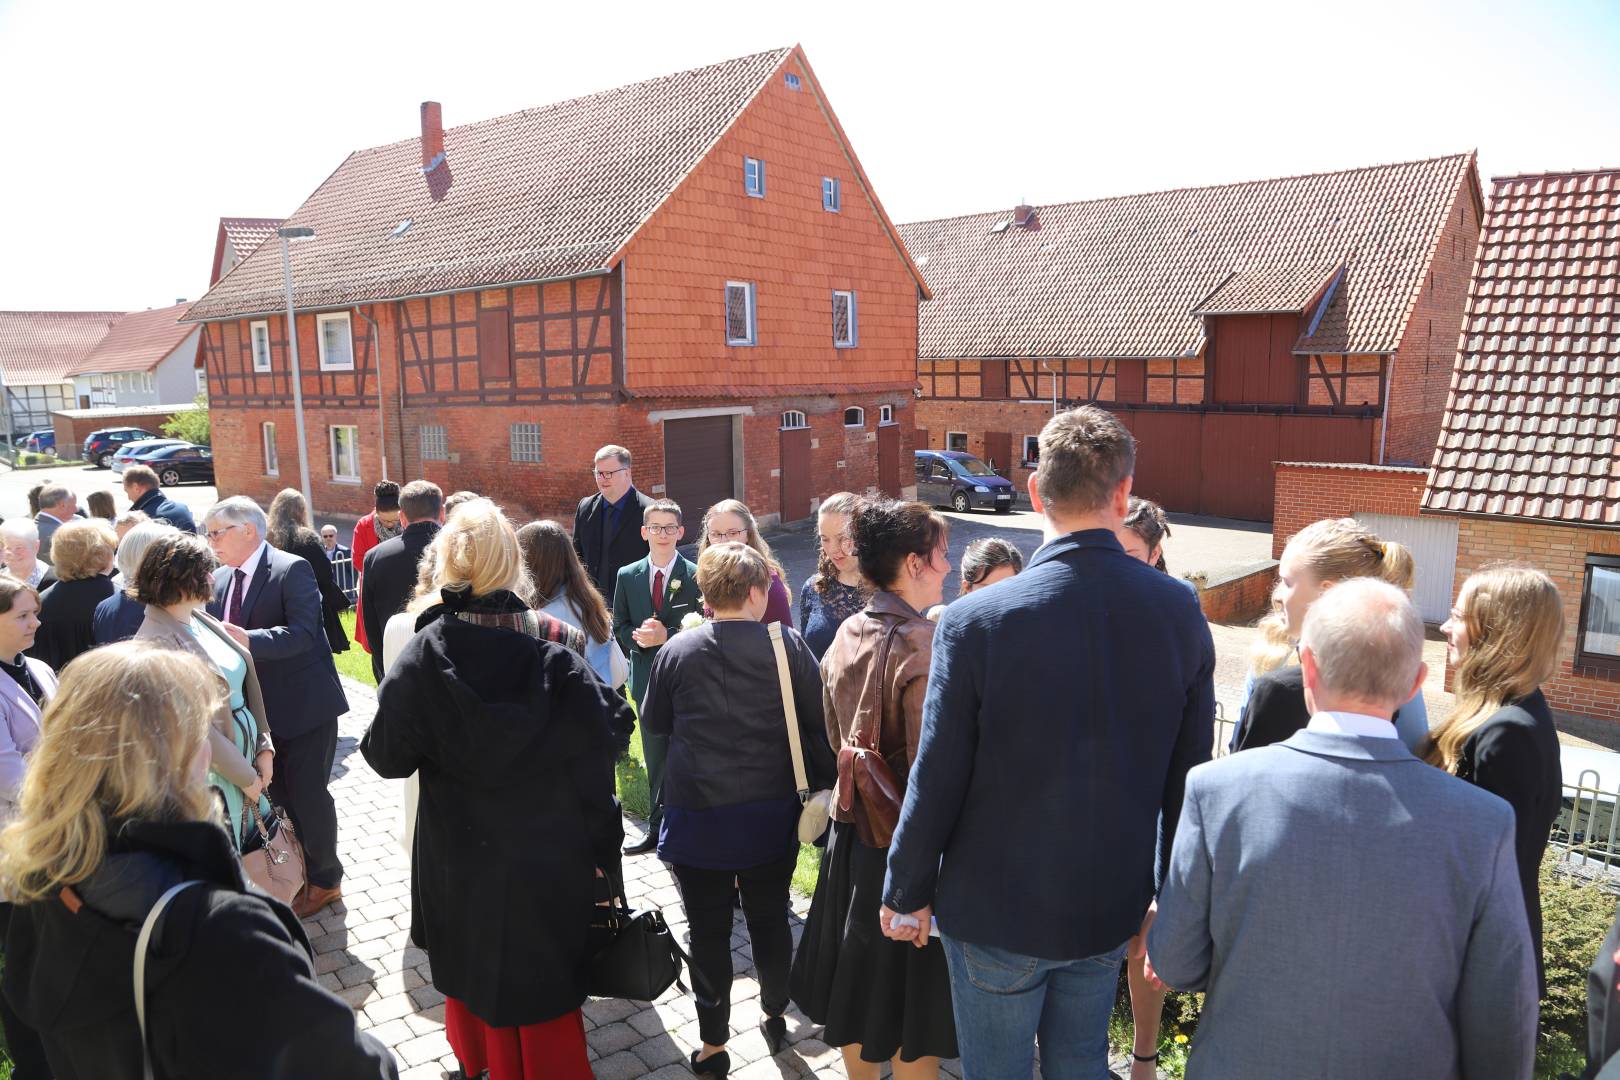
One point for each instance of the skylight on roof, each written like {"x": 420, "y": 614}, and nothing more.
{"x": 1001, "y": 226}
{"x": 400, "y": 229}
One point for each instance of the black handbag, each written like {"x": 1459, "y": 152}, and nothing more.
{"x": 637, "y": 958}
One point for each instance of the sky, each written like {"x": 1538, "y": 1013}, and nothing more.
{"x": 130, "y": 129}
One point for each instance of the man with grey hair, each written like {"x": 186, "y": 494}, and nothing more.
{"x": 607, "y": 525}
{"x": 57, "y": 505}
{"x": 21, "y": 553}
{"x": 1348, "y": 910}
{"x": 271, "y": 605}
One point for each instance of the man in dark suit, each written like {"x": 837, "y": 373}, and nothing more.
{"x": 271, "y": 605}
{"x": 650, "y": 599}
{"x": 57, "y": 505}
{"x": 607, "y": 533}
{"x": 388, "y": 579}
{"x": 341, "y": 558}
{"x": 1064, "y": 709}
{"x": 141, "y": 488}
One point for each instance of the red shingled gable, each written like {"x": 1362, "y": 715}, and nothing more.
{"x": 243, "y": 235}
{"x": 1530, "y": 427}
{"x": 44, "y": 346}
{"x": 139, "y": 341}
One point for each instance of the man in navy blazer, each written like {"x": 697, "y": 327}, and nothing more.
{"x": 1064, "y": 708}
{"x": 607, "y": 525}
{"x": 1349, "y": 910}
{"x": 270, "y": 603}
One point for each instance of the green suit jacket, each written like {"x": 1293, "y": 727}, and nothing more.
{"x": 632, "y": 605}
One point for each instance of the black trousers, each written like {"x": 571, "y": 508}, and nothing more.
{"x": 303, "y": 769}
{"x": 706, "y": 895}
{"x": 22, "y": 1042}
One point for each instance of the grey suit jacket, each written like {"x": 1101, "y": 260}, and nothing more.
{"x": 47, "y": 526}
{"x": 1350, "y": 912}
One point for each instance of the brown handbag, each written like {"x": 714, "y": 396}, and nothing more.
{"x": 861, "y": 767}
{"x": 277, "y": 866}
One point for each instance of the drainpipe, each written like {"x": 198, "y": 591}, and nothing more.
{"x": 1383, "y": 426}
{"x": 382, "y": 419}
{"x": 1052, "y": 373}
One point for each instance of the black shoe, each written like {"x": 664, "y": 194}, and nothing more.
{"x": 774, "y": 1028}
{"x": 645, "y": 844}
{"x": 714, "y": 1065}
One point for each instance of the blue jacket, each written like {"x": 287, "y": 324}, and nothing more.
{"x": 1064, "y": 709}
{"x": 159, "y": 507}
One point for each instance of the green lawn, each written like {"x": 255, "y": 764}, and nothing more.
{"x": 356, "y": 663}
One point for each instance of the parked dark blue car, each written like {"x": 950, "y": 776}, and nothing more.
{"x": 180, "y": 463}
{"x": 962, "y": 482}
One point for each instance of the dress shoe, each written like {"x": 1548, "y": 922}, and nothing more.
{"x": 645, "y": 844}
{"x": 313, "y": 898}
{"x": 774, "y": 1028}
{"x": 713, "y": 1065}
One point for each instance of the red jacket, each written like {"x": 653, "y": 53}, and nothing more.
{"x": 365, "y": 538}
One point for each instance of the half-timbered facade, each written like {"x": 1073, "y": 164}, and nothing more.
{"x": 1307, "y": 318}
{"x": 694, "y": 267}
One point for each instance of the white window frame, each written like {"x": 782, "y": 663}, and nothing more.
{"x": 1031, "y": 440}
{"x": 885, "y": 414}
{"x": 202, "y": 380}
{"x": 859, "y": 412}
{"x": 267, "y": 442}
{"x": 949, "y": 435}
{"x": 754, "y": 177}
{"x": 513, "y": 435}
{"x": 832, "y": 194}
{"x": 253, "y": 344}
{"x": 854, "y": 338}
{"x": 332, "y": 445}
{"x": 794, "y": 420}
{"x": 320, "y": 339}
{"x": 753, "y": 326}
{"x": 791, "y": 80}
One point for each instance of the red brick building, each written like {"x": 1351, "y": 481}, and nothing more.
{"x": 1526, "y": 463}
{"x": 1310, "y": 318}
{"x": 695, "y": 267}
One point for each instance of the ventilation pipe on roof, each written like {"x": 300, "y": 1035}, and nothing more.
{"x": 432, "y": 135}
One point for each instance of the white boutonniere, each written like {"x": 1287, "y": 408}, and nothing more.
{"x": 675, "y": 586}
{"x": 692, "y": 620}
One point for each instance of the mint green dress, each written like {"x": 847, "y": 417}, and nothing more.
{"x": 244, "y": 732}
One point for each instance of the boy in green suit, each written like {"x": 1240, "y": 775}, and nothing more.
{"x": 650, "y": 599}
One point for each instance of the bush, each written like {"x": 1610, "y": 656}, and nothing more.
{"x": 1575, "y": 918}
{"x": 191, "y": 425}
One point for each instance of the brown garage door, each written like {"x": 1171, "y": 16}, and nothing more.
{"x": 697, "y": 465}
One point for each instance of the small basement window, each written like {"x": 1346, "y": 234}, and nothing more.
{"x": 740, "y": 328}
{"x": 1598, "y": 641}
{"x": 793, "y": 419}
{"x": 525, "y": 442}
{"x": 885, "y": 414}
{"x": 435, "y": 442}
{"x": 754, "y": 177}
{"x": 956, "y": 440}
{"x": 855, "y": 417}
{"x": 1032, "y": 449}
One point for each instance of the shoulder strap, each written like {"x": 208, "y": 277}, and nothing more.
{"x": 869, "y": 721}
{"x": 141, "y": 943}
{"x": 789, "y": 709}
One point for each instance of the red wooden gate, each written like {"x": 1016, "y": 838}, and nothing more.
{"x": 889, "y": 478}
{"x": 795, "y": 474}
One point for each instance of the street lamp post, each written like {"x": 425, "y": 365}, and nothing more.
{"x": 289, "y": 233}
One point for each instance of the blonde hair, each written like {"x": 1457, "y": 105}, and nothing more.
{"x": 755, "y": 541}
{"x": 1515, "y": 622}
{"x": 83, "y": 549}
{"x": 478, "y": 548}
{"x": 119, "y": 742}
{"x": 1331, "y": 550}
{"x": 727, "y": 573}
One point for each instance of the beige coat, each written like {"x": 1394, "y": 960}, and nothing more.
{"x": 162, "y": 628}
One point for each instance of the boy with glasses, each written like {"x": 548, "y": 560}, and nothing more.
{"x": 650, "y": 598}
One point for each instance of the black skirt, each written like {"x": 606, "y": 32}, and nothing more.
{"x": 890, "y": 997}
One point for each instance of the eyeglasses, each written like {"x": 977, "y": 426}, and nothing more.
{"x": 728, "y": 537}
{"x": 663, "y": 530}
{"x": 605, "y": 475}
{"x": 215, "y": 534}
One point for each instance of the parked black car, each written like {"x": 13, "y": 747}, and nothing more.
{"x": 961, "y": 481}
{"x": 100, "y": 447}
{"x": 182, "y": 463}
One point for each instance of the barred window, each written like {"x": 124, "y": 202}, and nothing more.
{"x": 843, "y": 313}
{"x": 525, "y": 442}
{"x": 435, "y": 442}
{"x": 740, "y": 328}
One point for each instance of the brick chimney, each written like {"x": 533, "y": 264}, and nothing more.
{"x": 1024, "y": 216}
{"x": 432, "y": 135}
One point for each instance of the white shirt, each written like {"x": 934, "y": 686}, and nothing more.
{"x": 53, "y": 517}
{"x": 1349, "y": 723}
{"x": 656, "y": 570}
{"x": 249, "y": 565}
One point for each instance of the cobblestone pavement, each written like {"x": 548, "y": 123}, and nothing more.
{"x": 363, "y": 955}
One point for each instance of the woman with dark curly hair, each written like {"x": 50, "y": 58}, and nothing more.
{"x": 880, "y": 1000}
{"x": 837, "y": 590}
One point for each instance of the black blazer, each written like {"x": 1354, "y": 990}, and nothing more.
{"x": 67, "y": 613}
{"x": 388, "y": 582}
{"x": 1276, "y": 710}
{"x": 624, "y": 548}
{"x": 1514, "y": 754}
{"x": 307, "y": 546}
{"x": 282, "y": 615}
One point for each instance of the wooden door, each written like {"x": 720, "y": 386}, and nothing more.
{"x": 698, "y": 465}
{"x": 998, "y": 451}
{"x": 993, "y": 379}
{"x": 795, "y": 474}
{"x": 889, "y": 460}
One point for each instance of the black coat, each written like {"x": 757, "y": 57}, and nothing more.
{"x": 1277, "y": 709}
{"x": 388, "y": 581}
{"x": 1514, "y": 754}
{"x": 67, "y": 612}
{"x": 514, "y": 740}
{"x": 159, "y": 507}
{"x": 230, "y": 988}
{"x": 625, "y": 546}
{"x": 117, "y": 618}
{"x": 307, "y": 546}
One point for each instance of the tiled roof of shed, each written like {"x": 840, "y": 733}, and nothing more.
{"x": 1531, "y": 424}
{"x": 1123, "y": 276}
{"x": 535, "y": 195}
{"x": 43, "y": 346}
{"x": 139, "y": 341}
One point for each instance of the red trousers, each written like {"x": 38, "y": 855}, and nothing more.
{"x": 554, "y": 1050}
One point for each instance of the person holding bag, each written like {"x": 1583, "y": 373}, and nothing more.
{"x": 879, "y": 1000}
{"x": 731, "y": 796}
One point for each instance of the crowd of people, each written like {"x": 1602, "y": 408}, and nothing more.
{"x": 1018, "y": 784}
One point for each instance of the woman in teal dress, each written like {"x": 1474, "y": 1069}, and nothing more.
{"x": 175, "y": 582}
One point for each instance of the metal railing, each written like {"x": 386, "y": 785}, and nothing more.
{"x": 348, "y": 579}
{"x": 1588, "y": 829}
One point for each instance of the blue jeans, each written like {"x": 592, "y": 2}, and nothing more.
{"x": 1004, "y": 1000}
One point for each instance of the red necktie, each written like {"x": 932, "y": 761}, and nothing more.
{"x": 658, "y": 591}
{"x": 233, "y": 614}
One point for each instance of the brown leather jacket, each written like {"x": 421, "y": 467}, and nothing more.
{"x": 852, "y": 688}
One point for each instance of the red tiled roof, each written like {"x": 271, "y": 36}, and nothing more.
{"x": 139, "y": 341}
{"x": 1291, "y": 287}
{"x": 43, "y": 346}
{"x": 545, "y": 193}
{"x": 1122, "y": 277}
{"x": 247, "y": 233}
{"x": 1530, "y": 427}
